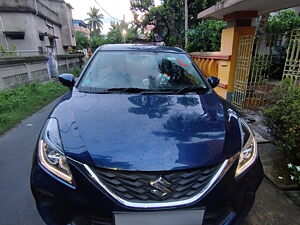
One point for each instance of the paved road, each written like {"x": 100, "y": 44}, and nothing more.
{"x": 17, "y": 204}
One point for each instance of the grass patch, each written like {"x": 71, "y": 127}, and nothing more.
{"x": 76, "y": 72}
{"x": 18, "y": 103}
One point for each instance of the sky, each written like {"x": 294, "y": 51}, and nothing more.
{"x": 116, "y": 8}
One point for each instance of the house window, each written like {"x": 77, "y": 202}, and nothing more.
{"x": 42, "y": 37}
{"x": 52, "y": 42}
{"x": 15, "y": 35}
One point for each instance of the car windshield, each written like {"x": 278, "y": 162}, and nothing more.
{"x": 140, "y": 70}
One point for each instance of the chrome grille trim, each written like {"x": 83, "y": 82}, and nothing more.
{"x": 219, "y": 174}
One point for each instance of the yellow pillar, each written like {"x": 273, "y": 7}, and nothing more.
{"x": 239, "y": 23}
{"x": 229, "y": 47}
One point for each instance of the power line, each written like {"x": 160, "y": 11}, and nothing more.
{"x": 106, "y": 11}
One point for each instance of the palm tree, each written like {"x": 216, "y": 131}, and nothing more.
{"x": 95, "y": 22}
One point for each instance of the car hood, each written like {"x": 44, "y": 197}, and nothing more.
{"x": 146, "y": 132}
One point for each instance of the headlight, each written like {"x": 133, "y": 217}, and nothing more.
{"x": 50, "y": 152}
{"x": 249, "y": 150}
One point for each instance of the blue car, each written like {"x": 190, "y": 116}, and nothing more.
{"x": 142, "y": 139}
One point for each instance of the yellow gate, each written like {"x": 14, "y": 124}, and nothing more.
{"x": 292, "y": 62}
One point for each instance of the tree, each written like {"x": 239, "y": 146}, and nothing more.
{"x": 206, "y": 36}
{"x": 283, "y": 22}
{"x": 168, "y": 18}
{"x": 114, "y": 35}
{"x": 95, "y": 23}
{"x": 82, "y": 41}
{"x": 141, "y": 5}
{"x": 152, "y": 15}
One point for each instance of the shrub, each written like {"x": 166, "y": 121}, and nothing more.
{"x": 206, "y": 36}
{"x": 10, "y": 51}
{"x": 283, "y": 118}
{"x": 96, "y": 41}
{"x": 76, "y": 72}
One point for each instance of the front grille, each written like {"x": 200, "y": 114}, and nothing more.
{"x": 170, "y": 186}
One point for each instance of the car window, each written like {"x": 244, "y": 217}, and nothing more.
{"x": 145, "y": 70}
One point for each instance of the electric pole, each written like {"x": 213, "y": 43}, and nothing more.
{"x": 186, "y": 26}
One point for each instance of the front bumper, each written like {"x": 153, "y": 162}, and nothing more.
{"x": 228, "y": 202}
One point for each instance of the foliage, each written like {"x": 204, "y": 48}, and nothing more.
{"x": 11, "y": 51}
{"x": 96, "y": 41}
{"x": 295, "y": 170}
{"x": 283, "y": 113}
{"x": 168, "y": 17}
{"x": 141, "y": 5}
{"x": 20, "y": 102}
{"x": 76, "y": 72}
{"x": 115, "y": 36}
{"x": 95, "y": 23}
{"x": 82, "y": 41}
{"x": 283, "y": 22}
{"x": 206, "y": 36}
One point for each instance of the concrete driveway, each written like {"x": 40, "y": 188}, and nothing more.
{"x": 272, "y": 207}
{"x": 17, "y": 204}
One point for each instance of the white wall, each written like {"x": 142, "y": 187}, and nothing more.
{"x": 23, "y": 22}
{"x": 32, "y": 25}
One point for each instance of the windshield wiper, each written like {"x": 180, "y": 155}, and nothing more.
{"x": 127, "y": 90}
{"x": 151, "y": 91}
{"x": 189, "y": 89}
{"x": 142, "y": 90}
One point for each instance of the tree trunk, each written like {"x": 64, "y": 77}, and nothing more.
{"x": 262, "y": 25}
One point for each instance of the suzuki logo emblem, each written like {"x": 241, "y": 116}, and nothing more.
{"x": 161, "y": 187}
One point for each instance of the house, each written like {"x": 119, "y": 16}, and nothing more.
{"x": 81, "y": 26}
{"x": 244, "y": 61}
{"x": 36, "y": 27}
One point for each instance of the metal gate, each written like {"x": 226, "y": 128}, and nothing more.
{"x": 242, "y": 70}
{"x": 252, "y": 70}
{"x": 292, "y": 62}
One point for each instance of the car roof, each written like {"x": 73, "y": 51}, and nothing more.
{"x": 139, "y": 47}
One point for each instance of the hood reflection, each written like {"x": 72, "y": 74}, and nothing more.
{"x": 200, "y": 122}
{"x": 188, "y": 101}
{"x": 151, "y": 105}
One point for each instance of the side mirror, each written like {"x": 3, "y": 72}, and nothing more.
{"x": 67, "y": 79}
{"x": 213, "y": 81}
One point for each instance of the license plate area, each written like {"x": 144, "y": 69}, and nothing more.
{"x": 172, "y": 217}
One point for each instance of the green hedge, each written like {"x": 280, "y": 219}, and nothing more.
{"x": 18, "y": 103}
{"x": 283, "y": 118}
